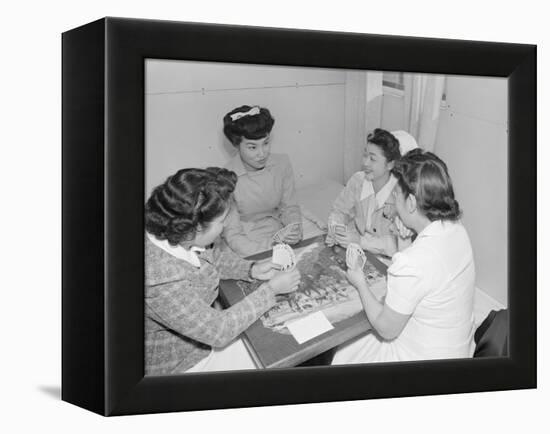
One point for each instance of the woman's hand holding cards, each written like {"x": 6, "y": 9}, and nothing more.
{"x": 289, "y": 279}
{"x": 290, "y": 234}
{"x": 355, "y": 256}
{"x": 264, "y": 270}
{"x": 344, "y": 237}
{"x": 285, "y": 281}
{"x": 355, "y": 261}
{"x": 294, "y": 234}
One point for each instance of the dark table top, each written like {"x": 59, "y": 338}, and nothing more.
{"x": 271, "y": 348}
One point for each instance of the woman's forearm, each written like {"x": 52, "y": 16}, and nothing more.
{"x": 387, "y": 323}
{"x": 372, "y": 306}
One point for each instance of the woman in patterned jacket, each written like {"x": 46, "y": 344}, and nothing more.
{"x": 183, "y": 331}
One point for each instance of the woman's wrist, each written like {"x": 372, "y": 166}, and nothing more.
{"x": 362, "y": 286}
{"x": 269, "y": 288}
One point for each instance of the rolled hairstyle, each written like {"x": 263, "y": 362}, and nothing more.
{"x": 425, "y": 176}
{"x": 250, "y": 122}
{"x": 187, "y": 202}
{"x": 387, "y": 142}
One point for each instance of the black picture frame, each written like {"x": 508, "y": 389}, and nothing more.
{"x": 103, "y": 191}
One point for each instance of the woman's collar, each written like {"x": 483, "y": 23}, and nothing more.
{"x": 179, "y": 252}
{"x": 384, "y": 193}
{"x": 236, "y": 164}
{"x": 432, "y": 229}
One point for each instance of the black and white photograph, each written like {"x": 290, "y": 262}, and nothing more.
{"x": 312, "y": 217}
{"x": 286, "y": 225}
{"x": 281, "y": 217}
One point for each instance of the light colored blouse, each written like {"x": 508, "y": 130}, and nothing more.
{"x": 265, "y": 201}
{"x": 366, "y": 212}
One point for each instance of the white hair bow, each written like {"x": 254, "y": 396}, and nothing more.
{"x": 252, "y": 112}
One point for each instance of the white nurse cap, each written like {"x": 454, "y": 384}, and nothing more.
{"x": 406, "y": 141}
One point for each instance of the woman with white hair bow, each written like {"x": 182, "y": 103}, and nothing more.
{"x": 364, "y": 212}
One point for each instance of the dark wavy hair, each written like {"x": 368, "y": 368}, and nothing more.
{"x": 188, "y": 201}
{"x": 425, "y": 176}
{"x": 251, "y": 127}
{"x": 387, "y": 142}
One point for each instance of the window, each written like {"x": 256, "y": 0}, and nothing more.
{"x": 393, "y": 80}
{"x": 393, "y": 83}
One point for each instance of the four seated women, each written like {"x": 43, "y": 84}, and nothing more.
{"x": 427, "y": 312}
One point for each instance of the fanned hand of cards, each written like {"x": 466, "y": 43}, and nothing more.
{"x": 355, "y": 257}
{"x": 284, "y": 256}
{"x": 280, "y": 235}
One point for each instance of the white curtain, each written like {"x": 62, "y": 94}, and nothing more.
{"x": 423, "y": 93}
{"x": 363, "y": 113}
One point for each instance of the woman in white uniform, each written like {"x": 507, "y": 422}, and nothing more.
{"x": 427, "y": 312}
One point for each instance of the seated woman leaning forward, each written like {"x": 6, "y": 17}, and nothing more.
{"x": 183, "y": 332}
{"x": 427, "y": 312}
{"x": 364, "y": 212}
{"x": 265, "y": 195}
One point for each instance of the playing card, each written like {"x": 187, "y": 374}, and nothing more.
{"x": 291, "y": 255}
{"x": 351, "y": 256}
{"x": 355, "y": 256}
{"x": 284, "y": 256}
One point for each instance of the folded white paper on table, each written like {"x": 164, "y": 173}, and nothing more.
{"x": 307, "y": 328}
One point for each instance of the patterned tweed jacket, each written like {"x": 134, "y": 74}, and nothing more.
{"x": 181, "y": 325}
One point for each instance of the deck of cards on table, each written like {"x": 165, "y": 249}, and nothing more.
{"x": 355, "y": 256}
{"x": 284, "y": 256}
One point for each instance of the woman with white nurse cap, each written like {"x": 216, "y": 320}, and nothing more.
{"x": 364, "y": 211}
{"x": 427, "y": 310}
{"x": 406, "y": 143}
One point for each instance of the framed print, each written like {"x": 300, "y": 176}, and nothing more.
{"x": 167, "y": 309}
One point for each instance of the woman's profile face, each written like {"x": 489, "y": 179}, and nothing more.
{"x": 207, "y": 236}
{"x": 254, "y": 153}
{"x": 375, "y": 164}
{"x": 401, "y": 205}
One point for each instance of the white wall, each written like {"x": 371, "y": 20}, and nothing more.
{"x": 473, "y": 140}
{"x": 392, "y": 112}
{"x": 186, "y": 101}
